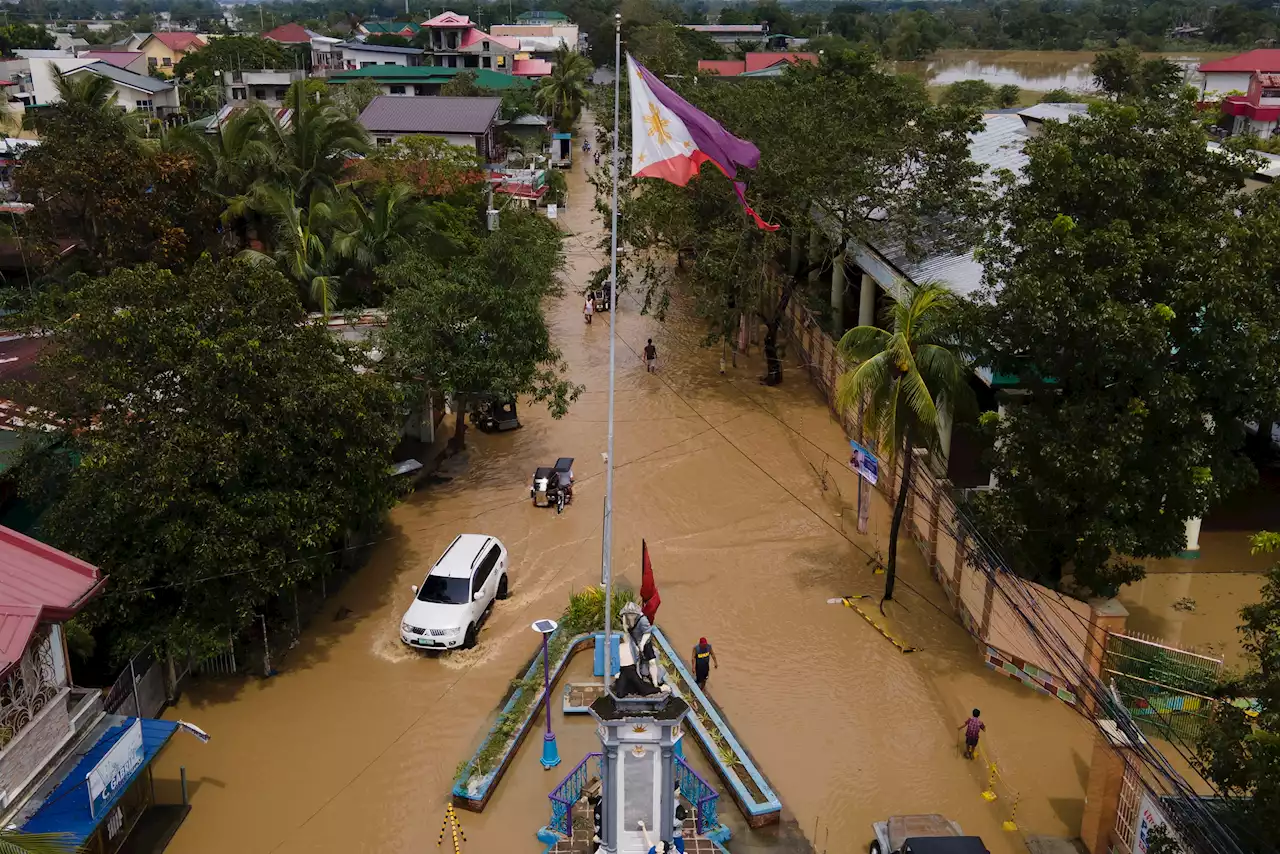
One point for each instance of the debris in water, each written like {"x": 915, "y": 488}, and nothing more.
{"x": 1186, "y": 603}
{"x": 341, "y": 614}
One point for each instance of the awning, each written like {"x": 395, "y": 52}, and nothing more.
{"x": 66, "y": 809}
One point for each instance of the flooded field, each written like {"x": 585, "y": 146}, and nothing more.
{"x": 353, "y": 746}
{"x": 1037, "y": 70}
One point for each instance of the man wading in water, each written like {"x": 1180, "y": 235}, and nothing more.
{"x": 701, "y": 669}
{"x": 972, "y": 729}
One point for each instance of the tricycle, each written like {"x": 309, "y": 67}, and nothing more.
{"x": 553, "y": 485}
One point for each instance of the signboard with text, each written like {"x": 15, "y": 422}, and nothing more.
{"x": 864, "y": 463}
{"x": 1149, "y": 817}
{"x": 115, "y": 769}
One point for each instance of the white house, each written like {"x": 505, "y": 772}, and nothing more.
{"x": 34, "y": 79}
{"x": 136, "y": 91}
{"x": 360, "y": 55}
{"x": 466, "y": 122}
{"x": 728, "y": 34}
{"x": 1223, "y": 76}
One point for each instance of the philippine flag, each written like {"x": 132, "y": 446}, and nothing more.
{"x": 671, "y": 139}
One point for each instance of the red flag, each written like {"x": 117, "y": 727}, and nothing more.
{"x": 648, "y": 589}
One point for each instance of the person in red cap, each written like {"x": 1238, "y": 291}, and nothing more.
{"x": 703, "y": 657}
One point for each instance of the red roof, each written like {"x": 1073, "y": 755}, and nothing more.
{"x": 1253, "y": 60}
{"x": 531, "y": 68}
{"x": 448, "y": 19}
{"x": 179, "y": 41}
{"x": 118, "y": 58}
{"x": 723, "y": 67}
{"x": 761, "y": 61}
{"x": 289, "y": 34}
{"x": 475, "y": 34}
{"x": 752, "y": 62}
{"x": 38, "y": 583}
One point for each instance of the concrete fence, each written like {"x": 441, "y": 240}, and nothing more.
{"x": 934, "y": 522}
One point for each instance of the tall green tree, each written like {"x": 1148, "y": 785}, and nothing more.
{"x": 1242, "y": 752}
{"x": 562, "y": 93}
{"x": 311, "y": 153}
{"x": 908, "y": 380}
{"x": 1129, "y": 295}
{"x": 299, "y": 244}
{"x": 475, "y": 326}
{"x": 1123, "y": 73}
{"x": 224, "y": 446}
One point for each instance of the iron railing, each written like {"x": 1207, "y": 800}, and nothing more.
{"x": 1167, "y": 690}
{"x": 693, "y": 788}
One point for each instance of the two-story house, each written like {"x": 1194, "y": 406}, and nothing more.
{"x": 455, "y": 42}
{"x": 165, "y": 50}
{"x": 269, "y": 86}
{"x": 1258, "y": 111}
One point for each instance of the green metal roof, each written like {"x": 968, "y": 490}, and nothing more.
{"x": 542, "y": 16}
{"x": 389, "y": 27}
{"x": 430, "y": 74}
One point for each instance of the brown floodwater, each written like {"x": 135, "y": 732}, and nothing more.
{"x": 353, "y": 746}
{"x": 1037, "y": 70}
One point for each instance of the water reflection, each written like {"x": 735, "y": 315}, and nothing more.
{"x": 1038, "y": 71}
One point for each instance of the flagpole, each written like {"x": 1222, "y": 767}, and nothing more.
{"x": 606, "y": 564}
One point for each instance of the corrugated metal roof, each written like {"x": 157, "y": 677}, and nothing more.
{"x": 66, "y": 809}
{"x": 1054, "y": 112}
{"x": 126, "y": 78}
{"x": 430, "y": 115}
{"x": 17, "y": 622}
{"x": 38, "y": 575}
{"x": 380, "y": 48}
{"x": 998, "y": 146}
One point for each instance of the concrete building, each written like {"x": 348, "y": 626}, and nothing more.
{"x": 136, "y": 91}
{"x": 268, "y": 86}
{"x": 1256, "y": 112}
{"x": 729, "y": 34}
{"x": 1223, "y": 76}
{"x": 543, "y": 18}
{"x": 353, "y": 55}
{"x": 165, "y": 50}
{"x": 540, "y": 41}
{"x": 465, "y": 122}
{"x": 34, "y": 82}
{"x": 455, "y": 42}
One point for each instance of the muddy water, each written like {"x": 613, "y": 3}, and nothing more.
{"x": 354, "y": 745}
{"x": 1037, "y": 70}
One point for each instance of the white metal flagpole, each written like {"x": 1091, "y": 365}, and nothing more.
{"x": 606, "y": 568}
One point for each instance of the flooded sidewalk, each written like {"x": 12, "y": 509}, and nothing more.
{"x": 749, "y": 518}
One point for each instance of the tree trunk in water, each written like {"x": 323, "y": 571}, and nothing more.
{"x": 891, "y": 567}
{"x": 773, "y": 363}
{"x": 459, "y": 440}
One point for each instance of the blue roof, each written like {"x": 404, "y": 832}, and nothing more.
{"x": 66, "y": 810}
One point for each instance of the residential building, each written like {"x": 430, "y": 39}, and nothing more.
{"x": 136, "y": 91}
{"x": 1256, "y": 112}
{"x": 755, "y": 64}
{"x": 729, "y": 34}
{"x": 165, "y": 50}
{"x": 270, "y": 86}
{"x": 353, "y": 55}
{"x": 423, "y": 80}
{"x": 293, "y": 34}
{"x": 465, "y": 122}
{"x": 540, "y": 41}
{"x": 129, "y": 60}
{"x": 455, "y": 42}
{"x": 531, "y": 69}
{"x": 131, "y": 42}
{"x": 1224, "y": 76}
{"x": 542, "y": 18}
{"x": 389, "y": 28}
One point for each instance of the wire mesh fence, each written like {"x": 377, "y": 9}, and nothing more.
{"x": 1167, "y": 690}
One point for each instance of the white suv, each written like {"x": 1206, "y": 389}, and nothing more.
{"x": 457, "y": 594}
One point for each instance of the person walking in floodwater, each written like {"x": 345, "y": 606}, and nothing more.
{"x": 651, "y": 357}
{"x": 588, "y": 308}
{"x": 702, "y": 654}
{"x": 972, "y": 728}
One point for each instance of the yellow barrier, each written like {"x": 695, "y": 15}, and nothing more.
{"x": 454, "y": 826}
{"x": 1011, "y": 796}
{"x": 848, "y": 603}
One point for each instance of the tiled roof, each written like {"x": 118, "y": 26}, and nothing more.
{"x": 1253, "y": 60}
{"x": 290, "y": 34}
{"x": 430, "y": 115}
{"x": 448, "y": 19}
{"x": 118, "y": 58}
{"x": 179, "y": 41}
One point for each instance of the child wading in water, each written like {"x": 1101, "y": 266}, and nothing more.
{"x": 972, "y": 728}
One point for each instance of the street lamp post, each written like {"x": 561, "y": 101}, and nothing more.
{"x": 550, "y": 753}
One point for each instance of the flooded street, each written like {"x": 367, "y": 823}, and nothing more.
{"x": 1037, "y": 70}
{"x": 353, "y": 746}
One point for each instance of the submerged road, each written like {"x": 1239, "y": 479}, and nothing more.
{"x": 353, "y": 746}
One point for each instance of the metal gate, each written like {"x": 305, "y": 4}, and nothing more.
{"x": 1167, "y": 690}
{"x": 1127, "y": 809}
{"x": 220, "y": 664}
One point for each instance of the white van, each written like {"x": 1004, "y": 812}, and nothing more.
{"x": 457, "y": 594}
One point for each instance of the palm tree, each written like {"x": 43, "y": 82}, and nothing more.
{"x": 87, "y": 90}
{"x": 17, "y": 842}
{"x": 235, "y": 159}
{"x": 300, "y": 245}
{"x": 312, "y": 151}
{"x": 370, "y": 234}
{"x": 906, "y": 383}
{"x": 562, "y": 93}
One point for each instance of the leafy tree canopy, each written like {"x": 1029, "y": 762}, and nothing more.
{"x": 1123, "y": 73}
{"x": 1142, "y": 347}
{"x": 231, "y": 53}
{"x": 224, "y": 444}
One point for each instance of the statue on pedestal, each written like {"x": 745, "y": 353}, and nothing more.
{"x": 638, "y": 661}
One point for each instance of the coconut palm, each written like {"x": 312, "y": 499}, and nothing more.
{"x": 299, "y": 245}
{"x": 562, "y": 93}
{"x": 88, "y": 90}
{"x": 907, "y": 382}
{"x": 312, "y": 151}
{"x": 17, "y": 842}
{"x": 369, "y": 234}
{"x": 235, "y": 159}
